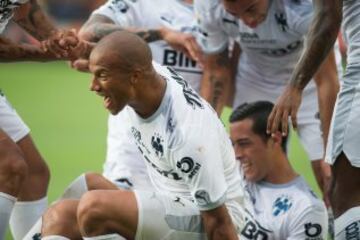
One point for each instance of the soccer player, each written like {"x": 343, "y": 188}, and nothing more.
{"x": 271, "y": 36}
{"x": 342, "y": 150}
{"x": 192, "y": 166}
{"x": 24, "y": 175}
{"x": 168, "y": 27}
{"x": 283, "y": 205}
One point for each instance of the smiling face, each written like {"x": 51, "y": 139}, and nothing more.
{"x": 110, "y": 82}
{"x": 253, "y": 152}
{"x": 251, "y": 12}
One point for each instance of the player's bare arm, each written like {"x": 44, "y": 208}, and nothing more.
{"x": 216, "y": 81}
{"x": 218, "y": 224}
{"x": 320, "y": 39}
{"x": 31, "y": 18}
{"x": 10, "y": 51}
{"x": 99, "y": 26}
{"x": 326, "y": 79}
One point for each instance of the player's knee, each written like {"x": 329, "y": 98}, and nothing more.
{"x": 13, "y": 168}
{"x": 89, "y": 213}
{"x": 60, "y": 219}
{"x": 93, "y": 180}
{"x": 97, "y": 181}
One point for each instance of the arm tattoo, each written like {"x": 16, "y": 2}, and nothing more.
{"x": 218, "y": 82}
{"x": 101, "y": 30}
{"x": 10, "y": 52}
{"x": 35, "y": 22}
{"x": 320, "y": 39}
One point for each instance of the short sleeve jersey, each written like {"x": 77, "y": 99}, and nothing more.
{"x": 269, "y": 51}
{"x": 174, "y": 14}
{"x": 285, "y": 211}
{"x": 185, "y": 146}
{"x": 6, "y": 11}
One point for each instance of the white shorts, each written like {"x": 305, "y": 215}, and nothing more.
{"x": 344, "y": 135}
{"x": 10, "y": 122}
{"x": 169, "y": 217}
{"x": 309, "y": 125}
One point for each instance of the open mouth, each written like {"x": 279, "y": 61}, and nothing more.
{"x": 246, "y": 166}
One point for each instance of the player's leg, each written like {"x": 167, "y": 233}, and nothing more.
{"x": 12, "y": 174}
{"x": 75, "y": 190}
{"x": 345, "y": 198}
{"x": 60, "y": 220}
{"x": 138, "y": 215}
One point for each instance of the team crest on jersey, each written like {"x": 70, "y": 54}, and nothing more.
{"x": 157, "y": 144}
{"x": 281, "y": 205}
{"x": 281, "y": 21}
{"x": 313, "y": 231}
{"x": 121, "y": 5}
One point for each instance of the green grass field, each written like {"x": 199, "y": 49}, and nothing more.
{"x": 68, "y": 122}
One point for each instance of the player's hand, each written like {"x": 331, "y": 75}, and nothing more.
{"x": 81, "y": 64}
{"x": 60, "y": 42}
{"x": 287, "y": 105}
{"x": 184, "y": 42}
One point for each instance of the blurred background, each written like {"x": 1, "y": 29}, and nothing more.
{"x": 68, "y": 122}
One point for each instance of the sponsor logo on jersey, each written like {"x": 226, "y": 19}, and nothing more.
{"x": 246, "y": 36}
{"x": 281, "y": 21}
{"x": 166, "y": 173}
{"x": 175, "y": 58}
{"x": 313, "y": 231}
{"x": 253, "y": 230}
{"x": 157, "y": 144}
{"x": 191, "y": 97}
{"x": 281, "y": 205}
{"x": 230, "y": 21}
{"x": 202, "y": 197}
{"x": 279, "y": 52}
{"x": 188, "y": 166}
{"x": 352, "y": 231}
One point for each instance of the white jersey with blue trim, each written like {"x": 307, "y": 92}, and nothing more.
{"x": 185, "y": 146}
{"x": 6, "y": 11}
{"x": 285, "y": 211}
{"x": 174, "y": 14}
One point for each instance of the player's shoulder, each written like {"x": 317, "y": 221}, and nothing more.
{"x": 306, "y": 197}
{"x": 298, "y": 7}
{"x": 204, "y": 6}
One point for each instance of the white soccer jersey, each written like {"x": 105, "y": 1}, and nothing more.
{"x": 285, "y": 211}
{"x": 6, "y": 11}
{"x": 174, "y": 14}
{"x": 269, "y": 54}
{"x": 186, "y": 148}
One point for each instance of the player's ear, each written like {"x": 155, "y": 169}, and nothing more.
{"x": 277, "y": 138}
{"x": 135, "y": 77}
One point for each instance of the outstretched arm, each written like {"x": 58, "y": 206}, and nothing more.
{"x": 320, "y": 39}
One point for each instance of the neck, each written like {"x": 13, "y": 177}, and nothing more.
{"x": 150, "y": 96}
{"x": 281, "y": 171}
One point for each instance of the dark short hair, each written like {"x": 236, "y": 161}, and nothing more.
{"x": 258, "y": 112}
